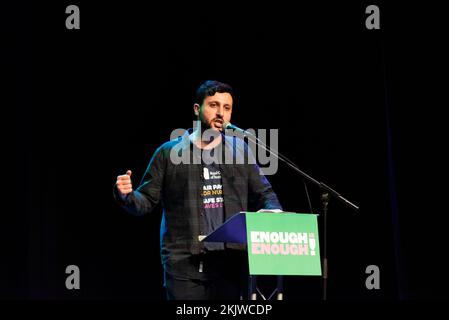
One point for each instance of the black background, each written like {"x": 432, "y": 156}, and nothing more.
{"x": 357, "y": 109}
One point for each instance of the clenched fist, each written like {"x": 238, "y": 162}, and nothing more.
{"x": 124, "y": 184}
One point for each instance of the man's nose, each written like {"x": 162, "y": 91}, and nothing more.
{"x": 220, "y": 111}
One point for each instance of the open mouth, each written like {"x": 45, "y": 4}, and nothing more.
{"x": 218, "y": 123}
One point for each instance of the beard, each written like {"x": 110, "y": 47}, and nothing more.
{"x": 212, "y": 124}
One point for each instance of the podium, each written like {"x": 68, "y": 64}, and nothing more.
{"x": 280, "y": 244}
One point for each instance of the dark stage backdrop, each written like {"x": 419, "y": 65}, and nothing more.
{"x": 350, "y": 104}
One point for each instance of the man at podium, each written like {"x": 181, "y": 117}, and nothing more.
{"x": 199, "y": 189}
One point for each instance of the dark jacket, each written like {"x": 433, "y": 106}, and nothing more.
{"x": 179, "y": 187}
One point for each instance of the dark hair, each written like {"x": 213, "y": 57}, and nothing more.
{"x": 209, "y": 88}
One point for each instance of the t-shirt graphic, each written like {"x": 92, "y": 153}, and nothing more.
{"x": 212, "y": 202}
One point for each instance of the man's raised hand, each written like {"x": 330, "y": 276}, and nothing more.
{"x": 124, "y": 184}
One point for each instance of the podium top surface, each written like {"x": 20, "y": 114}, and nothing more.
{"x": 234, "y": 229}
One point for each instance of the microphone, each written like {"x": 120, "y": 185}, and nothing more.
{"x": 228, "y": 125}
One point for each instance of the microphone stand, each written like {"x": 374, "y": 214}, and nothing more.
{"x": 326, "y": 192}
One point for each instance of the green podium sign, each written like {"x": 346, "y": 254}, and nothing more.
{"x": 283, "y": 244}
{"x": 278, "y": 243}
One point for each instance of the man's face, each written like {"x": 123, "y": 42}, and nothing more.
{"x": 215, "y": 110}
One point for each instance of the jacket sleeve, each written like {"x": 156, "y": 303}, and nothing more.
{"x": 143, "y": 199}
{"x": 261, "y": 193}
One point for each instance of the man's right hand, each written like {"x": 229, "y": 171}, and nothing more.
{"x": 124, "y": 184}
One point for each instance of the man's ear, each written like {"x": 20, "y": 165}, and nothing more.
{"x": 196, "y": 109}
